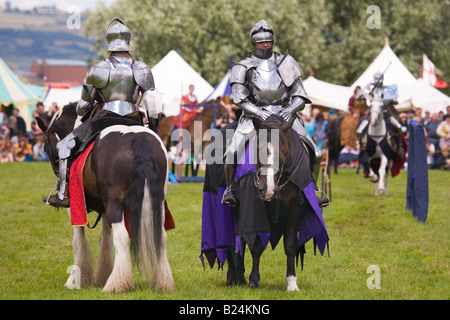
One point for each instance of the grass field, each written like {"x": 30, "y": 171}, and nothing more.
{"x": 364, "y": 230}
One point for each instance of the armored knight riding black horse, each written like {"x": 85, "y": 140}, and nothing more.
{"x": 253, "y": 200}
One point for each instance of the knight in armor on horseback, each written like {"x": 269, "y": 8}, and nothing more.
{"x": 377, "y": 92}
{"x": 109, "y": 96}
{"x": 266, "y": 83}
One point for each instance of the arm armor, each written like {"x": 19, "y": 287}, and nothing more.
{"x": 143, "y": 76}
{"x": 297, "y": 104}
{"x": 87, "y": 99}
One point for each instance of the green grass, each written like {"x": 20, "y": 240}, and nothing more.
{"x": 364, "y": 230}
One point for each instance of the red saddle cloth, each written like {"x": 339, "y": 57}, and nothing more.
{"x": 78, "y": 211}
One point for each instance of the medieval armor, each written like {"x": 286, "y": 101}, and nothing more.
{"x": 114, "y": 85}
{"x": 265, "y": 83}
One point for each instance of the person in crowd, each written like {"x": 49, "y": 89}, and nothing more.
{"x": 419, "y": 116}
{"x": 23, "y": 150}
{"x": 319, "y": 134}
{"x": 431, "y": 129}
{"x": 308, "y": 125}
{"x": 443, "y": 132}
{"x": 187, "y": 113}
{"x": 348, "y": 157}
{"x": 6, "y": 149}
{"x": 426, "y": 118}
{"x": 38, "y": 149}
{"x": 430, "y": 152}
{"x": 41, "y": 113}
{"x": 3, "y": 116}
{"x": 16, "y": 125}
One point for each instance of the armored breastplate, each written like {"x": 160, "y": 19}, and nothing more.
{"x": 121, "y": 85}
{"x": 267, "y": 85}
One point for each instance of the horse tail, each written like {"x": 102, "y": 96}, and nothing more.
{"x": 145, "y": 202}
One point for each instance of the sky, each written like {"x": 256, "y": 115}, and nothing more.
{"x": 61, "y": 4}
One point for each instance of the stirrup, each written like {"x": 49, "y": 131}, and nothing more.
{"x": 325, "y": 200}
{"x": 50, "y": 194}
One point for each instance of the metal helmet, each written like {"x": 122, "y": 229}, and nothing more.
{"x": 262, "y": 32}
{"x": 118, "y": 35}
{"x": 378, "y": 77}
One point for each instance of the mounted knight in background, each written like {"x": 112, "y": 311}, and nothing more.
{"x": 380, "y": 133}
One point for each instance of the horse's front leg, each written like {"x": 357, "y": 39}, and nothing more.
{"x": 236, "y": 268}
{"x": 382, "y": 175}
{"x": 256, "y": 252}
{"x": 291, "y": 249}
{"x": 82, "y": 273}
{"x": 105, "y": 260}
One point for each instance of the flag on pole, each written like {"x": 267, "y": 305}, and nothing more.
{"x": 429, "y": 74}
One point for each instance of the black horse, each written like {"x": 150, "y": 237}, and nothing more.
{"x": 125, "y": 181}
{"x": 275, "y": 198}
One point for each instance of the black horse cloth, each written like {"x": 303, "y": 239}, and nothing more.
{"x": 223, "y": 227}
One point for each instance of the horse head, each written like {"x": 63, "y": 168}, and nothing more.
{"x": 60, "y": 126}
{"x": 273, "y": 139}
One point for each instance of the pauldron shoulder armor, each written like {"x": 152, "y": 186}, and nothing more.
{"x": 143, "y": 75}
{"x": 98, "y": 74}
{"x": 288, "y": 69}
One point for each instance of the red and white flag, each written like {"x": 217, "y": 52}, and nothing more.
{"x": 429, "y": 74}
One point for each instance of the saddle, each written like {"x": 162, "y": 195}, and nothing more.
{"x": 102, "y": 119}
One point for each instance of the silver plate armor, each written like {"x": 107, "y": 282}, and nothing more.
{"x": 120, "y": 79}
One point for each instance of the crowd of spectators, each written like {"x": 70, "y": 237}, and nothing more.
{"x": 17, "y": 143}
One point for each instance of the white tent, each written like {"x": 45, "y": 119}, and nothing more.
{"x": 412, "y": 92}
{"x": 12, "y": 90}
{"x": 62, "y": 96}
{"x": 222, "y": 89}
{"x": 397, "y": 73}
{"x": 329, "y": 95}
{"x": 420, "y": 94}
{"x": 173, "y": 75}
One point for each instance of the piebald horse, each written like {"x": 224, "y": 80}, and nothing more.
{"x": 125, "y": 180}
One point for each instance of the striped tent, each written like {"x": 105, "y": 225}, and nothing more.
{"x": 12, "y": 90}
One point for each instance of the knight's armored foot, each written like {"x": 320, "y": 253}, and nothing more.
{"x": 229, "y": 197}
{"x": 323, "y": 202}
{"x": 55, "y": 201}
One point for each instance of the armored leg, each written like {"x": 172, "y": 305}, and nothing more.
{"x": 229, "y": 197}
{"x": 300, "y": 129}
{"x": 153, "y": 124}
{"x": 62, "y": 199}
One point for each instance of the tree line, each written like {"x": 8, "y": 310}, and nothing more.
{"x": 335, "y": 39}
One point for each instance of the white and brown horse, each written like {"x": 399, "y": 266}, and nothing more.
{"x": 125, "y": 180}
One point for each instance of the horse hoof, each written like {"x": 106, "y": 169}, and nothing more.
{"x": 253, "y": 285}
{"x": 379, "y": 191}
{"x": 291, "y": 284}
